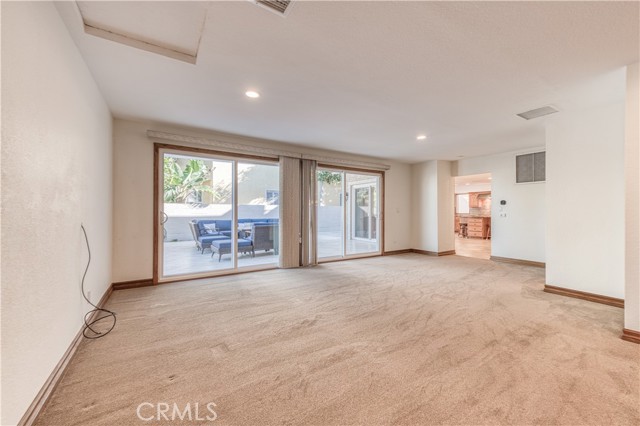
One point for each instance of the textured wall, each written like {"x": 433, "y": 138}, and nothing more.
{"x": 585, "y": 200}
{"x": 432, "y": 206}
{"x": 632, "y": 200}
{"x": 424, "y": 206}
{"x": 56, "y": 174}
{"x": 446, "y": 207}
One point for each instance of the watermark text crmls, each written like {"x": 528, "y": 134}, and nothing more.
{"x": 159, "y": 411}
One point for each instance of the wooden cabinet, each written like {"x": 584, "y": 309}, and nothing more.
{"x": 478, "y": 227}
{"x": 477, "y": 199}
{"x": 473, "y": 200}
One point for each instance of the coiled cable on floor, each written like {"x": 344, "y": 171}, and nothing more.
{"x": 89, "y": 331}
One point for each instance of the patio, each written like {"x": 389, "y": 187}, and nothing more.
{"x": 183, "y": 258}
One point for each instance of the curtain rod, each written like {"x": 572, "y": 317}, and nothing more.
{"x": 234, "y": 147}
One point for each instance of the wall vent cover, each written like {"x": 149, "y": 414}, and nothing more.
{"x": 538, "y": 112}
{"x": 531, "y": 167}
{"x": 278, "y": 6}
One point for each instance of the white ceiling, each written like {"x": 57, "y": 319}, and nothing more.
{"x": 367, "y": 77}
{"x": 472, "y": 183}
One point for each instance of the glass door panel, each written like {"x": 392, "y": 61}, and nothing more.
{"x": 362, "y": 213}
{"x": 197, "y": 215}
{"x": 348, "y": 214}
{"x": 330, "y": 214}
{"x": 258, "y": 214}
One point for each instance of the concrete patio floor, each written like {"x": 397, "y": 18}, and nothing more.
{"x": 183, "y": 258}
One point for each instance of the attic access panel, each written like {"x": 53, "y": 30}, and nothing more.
{"x": 171, "y": 29}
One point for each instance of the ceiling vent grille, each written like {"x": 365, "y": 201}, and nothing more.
{"x": 539, "y": 112}
{"x": 278, "y": 6}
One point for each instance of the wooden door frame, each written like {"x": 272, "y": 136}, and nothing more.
{"x": 381, "y": 213}
{"x": 157, "y": 147}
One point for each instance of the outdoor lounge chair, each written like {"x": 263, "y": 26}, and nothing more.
{"x": 224, "y": 247}
{"x": 265, "y": 236}
{"x": 204, "y": 237}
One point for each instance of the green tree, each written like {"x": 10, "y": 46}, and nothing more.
{"x": 329, "y": 178}
{"x": 182, "y": 183}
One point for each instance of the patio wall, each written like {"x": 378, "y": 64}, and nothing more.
{"x": 177, "y": 226}
{"x": 329, "y": 218}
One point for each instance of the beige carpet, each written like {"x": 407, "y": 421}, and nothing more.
{"x": 404, "y": 339}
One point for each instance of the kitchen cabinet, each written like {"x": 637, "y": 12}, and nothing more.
{"x": 476, "y": 199}
{"x": 473, "y": 200}
{"x": 478, "y": 227}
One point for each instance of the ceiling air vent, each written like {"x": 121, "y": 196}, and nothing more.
{"x": 539, "y": 112}
{"x": 278, "y": 6}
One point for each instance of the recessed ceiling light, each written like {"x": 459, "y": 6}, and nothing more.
{"x": 467, "y": 184}
{"x": 421, "y": 137}
{"x": 252, "y": 94}
{"x": 490, "y": 178}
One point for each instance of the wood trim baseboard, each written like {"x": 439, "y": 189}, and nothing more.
{"x": 425, "y": 252}
{"x": 218, "y": 275}
{"x": 591, "y": 297}
{"x": 434, "y": 253}
{"x": 395, "y": 252}
{"x": 518, "y": 261}
{"x": 630, "y": 335}
{"x": 123, "y": 285}
{"x": 50, "y": 385}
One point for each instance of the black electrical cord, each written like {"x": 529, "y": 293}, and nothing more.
{"x": 88, "y": 330}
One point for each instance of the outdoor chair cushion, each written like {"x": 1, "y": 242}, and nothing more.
{"x": 210, "y": 228}
{"x": 201, "y": 225}
{"x": 226, "y": 244}
{"x": 206, "y": 239}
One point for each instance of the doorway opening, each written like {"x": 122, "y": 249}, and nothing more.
{"x": 348, "y": 214}
{"x": 473, "y": 216}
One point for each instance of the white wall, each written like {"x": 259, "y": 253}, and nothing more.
{"x": 632, "y": 195}
{"x": 446, "y": 207}
{"x": 476, "y": 187}
{"x": 397, "y": 204}
{"x": 585, "y": 200}
{"x": 132, "y": 202}
{"x": 424, "y": 206}
{"x": 432, "y": 206}
{"x": 133, "y": 195}
{"x": 521, "y": 234}
{"x": 56, "y": 174}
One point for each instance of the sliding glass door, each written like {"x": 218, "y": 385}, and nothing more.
{"x": 348, "y": 214}
{"x": 330, "y": 214}
{"x": 216, "y": 214}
